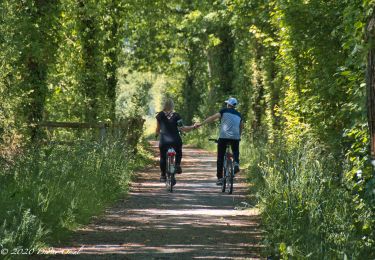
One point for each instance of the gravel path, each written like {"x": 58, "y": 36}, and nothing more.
{"x": 196, "y": 221}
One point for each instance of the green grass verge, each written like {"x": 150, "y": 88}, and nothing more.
{"x": 310, "y": 206}
{"x": 312, "y": 203}
{"x": 52, "y": 190}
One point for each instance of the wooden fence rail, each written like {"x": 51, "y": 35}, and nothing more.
{"x": 71, "y": 125}
{"x": 80, "y": 125}
{"x": 130, "y": 129}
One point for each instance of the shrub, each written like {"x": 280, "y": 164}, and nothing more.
{"x": 51, "y": 190}
{"x": 307, "y": 209}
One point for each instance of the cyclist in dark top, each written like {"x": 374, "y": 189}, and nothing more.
{"x": 169, "y": 125}
{"x": 230, "y": 133}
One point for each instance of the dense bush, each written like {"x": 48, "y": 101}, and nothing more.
{"x": 54, "y": 189}
{"x": 307, "y": 210}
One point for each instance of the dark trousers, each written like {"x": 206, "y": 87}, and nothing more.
{"x": 163, "y": 155}
{"x": 222, "y": 144}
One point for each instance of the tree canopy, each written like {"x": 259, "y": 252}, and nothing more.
{"x": 298, "y": 69}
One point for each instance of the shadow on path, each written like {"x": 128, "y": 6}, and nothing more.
{"x": 196, "y": 221}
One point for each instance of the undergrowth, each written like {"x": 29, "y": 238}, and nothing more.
{"x": 310, "y": 203}
{"x": 314, "y": 204}
{"x": 51, "y": 190}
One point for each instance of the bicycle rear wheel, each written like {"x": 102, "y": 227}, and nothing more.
{"x": 170, "y": 167}
{"x": 229, "y": 177}
{"x": 224, "y": 179}
{"x": 223, "y": 185}
{"x": 169, "y": 182}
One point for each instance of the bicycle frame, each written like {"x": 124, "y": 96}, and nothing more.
{"x": 170, "y": 169}
{"x": 228, "y": 170}
{"x": 228, "y": 174}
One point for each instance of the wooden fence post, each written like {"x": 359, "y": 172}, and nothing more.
{"x": 102, "y": 131}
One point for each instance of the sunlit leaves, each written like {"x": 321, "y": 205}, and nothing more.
{"x": 213, "y": 40}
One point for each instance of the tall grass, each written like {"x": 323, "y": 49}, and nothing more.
{"x": 51, "y": 190}
{"x": 307, "y": 206}
{"x": 311, "y": 204}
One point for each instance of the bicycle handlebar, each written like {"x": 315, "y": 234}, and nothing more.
{"x": 213, "y": 140}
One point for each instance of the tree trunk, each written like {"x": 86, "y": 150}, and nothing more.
{"x": 258, "y": 95}
{"x": 36, "y": 62}
{"x": 225, "y": 62}
{"x": 191, "y": 85}
{"x": 91, "y": 80}
{"x": 370, "y": 78}
{"x": 36, "y": 81}
{"x": 112, "y": 47}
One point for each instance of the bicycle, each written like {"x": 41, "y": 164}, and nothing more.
{"x": 171, "y": 169}
{"x": 228, "y": 176}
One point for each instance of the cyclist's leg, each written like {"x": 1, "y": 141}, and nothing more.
{"x": 221, "y": 146}
{"x": 235, "y": 144}
{"x": 163, "y": 159}
{"x": 178, "y": 149}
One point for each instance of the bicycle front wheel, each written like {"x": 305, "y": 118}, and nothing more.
{"x": 224, "y": 179}
{"x": 229, "y": 177}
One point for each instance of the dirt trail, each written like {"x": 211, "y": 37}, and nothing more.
{"x": 196, "y": 221}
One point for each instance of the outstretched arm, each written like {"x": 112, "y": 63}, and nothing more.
{"x": 187, "y": 128}
{"x": 210, "y": 119}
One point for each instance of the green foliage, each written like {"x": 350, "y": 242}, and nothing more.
{"x": 306, "y": 212}
{"x": 133, "y": 94}
{"x": 28, "y": 46}
{"x": 52, "y": 197}
{"x": 299, "y": 75}
{"x": 22, "y": 230}
{"x": 59, "y": 61}
{"x": 297, "y": 68}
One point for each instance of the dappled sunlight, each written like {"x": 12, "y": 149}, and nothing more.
{"x": 172, "y": 249}
{"x": 196, "y": 220}
{"x": 195, "y": 212}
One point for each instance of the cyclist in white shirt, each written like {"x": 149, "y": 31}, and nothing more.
{"x": 230, "y": 133}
